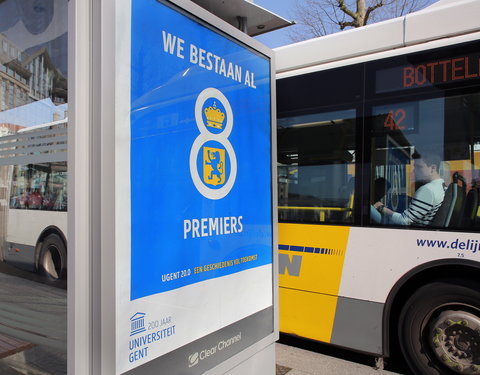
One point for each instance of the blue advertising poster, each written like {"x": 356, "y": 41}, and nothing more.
{"x": 201, "y": 191}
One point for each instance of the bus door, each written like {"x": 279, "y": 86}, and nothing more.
{"x": 316, "y": 172}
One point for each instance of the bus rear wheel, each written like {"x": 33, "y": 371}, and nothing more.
{"x": 439, "y": 329}
{"x": 52, "y": 261}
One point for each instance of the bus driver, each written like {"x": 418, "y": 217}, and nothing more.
{"x": 426, "y": 200}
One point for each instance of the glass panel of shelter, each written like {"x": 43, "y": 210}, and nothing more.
{"x": 33, "y": 185}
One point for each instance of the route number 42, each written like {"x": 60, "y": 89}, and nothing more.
{"x": 394, "y": 119}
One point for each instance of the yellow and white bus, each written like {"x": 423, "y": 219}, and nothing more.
{"x": 33, "y": 177}
{"x": 369, "y": 120}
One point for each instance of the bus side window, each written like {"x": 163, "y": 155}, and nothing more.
{"x": 316, "y": 170}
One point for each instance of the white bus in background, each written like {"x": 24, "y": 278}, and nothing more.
{"x": 362, "y": 114}
{"x": 33, "y": 162}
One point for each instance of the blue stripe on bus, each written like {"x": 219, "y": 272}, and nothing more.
{"x": 312, "y": 250}
{"x": 296, "y": 248}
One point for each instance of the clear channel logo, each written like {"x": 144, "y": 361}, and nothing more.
{"x": 195, "y": 358}
{"x": 213, "y": 163}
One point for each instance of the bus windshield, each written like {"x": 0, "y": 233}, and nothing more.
{"x": 419, "y": 149}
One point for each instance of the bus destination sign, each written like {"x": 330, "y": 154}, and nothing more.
{"x": 458, "y": 69}
{"x": 441, "y": 71}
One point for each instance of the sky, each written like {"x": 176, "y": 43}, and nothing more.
{"x": 283, "y": 8}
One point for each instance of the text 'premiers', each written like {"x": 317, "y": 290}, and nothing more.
{"x": 175, "y": 46}
{"x": 212, "y": 226}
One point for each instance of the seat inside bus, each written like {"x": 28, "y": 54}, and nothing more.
{"x": 450, "y": 213}
{"x": 470, "y": 217}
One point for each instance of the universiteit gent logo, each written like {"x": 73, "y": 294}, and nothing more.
{"x": 213, "y": 164}
{"x": 137, "y": 323}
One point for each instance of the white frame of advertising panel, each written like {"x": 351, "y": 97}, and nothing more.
{"x": 81, "y": 230}
{"x": 99, "y": 66}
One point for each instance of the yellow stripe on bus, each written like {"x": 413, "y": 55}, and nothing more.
{"x": 310, "y": 265}
{"x": 307, "y": 314}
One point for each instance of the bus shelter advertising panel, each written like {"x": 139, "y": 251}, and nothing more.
{"x": 194, "y": 281}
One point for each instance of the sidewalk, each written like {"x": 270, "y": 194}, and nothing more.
{"x": 296, "y": 361}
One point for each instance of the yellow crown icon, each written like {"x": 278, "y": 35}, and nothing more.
{"x": 215, "y": 117}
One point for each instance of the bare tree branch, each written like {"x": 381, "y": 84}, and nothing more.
{"x": 344, "y": 25}
{"x": 320, "y": 17}
{"x": 344, "y": 9}
{"x": 371, "y": 9}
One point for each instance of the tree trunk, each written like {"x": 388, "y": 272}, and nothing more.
{"x": 361, "y": 12}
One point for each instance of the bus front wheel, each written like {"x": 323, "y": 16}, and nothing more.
{"x": 52, "y": 261}
{"x": 439, "y": 329}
